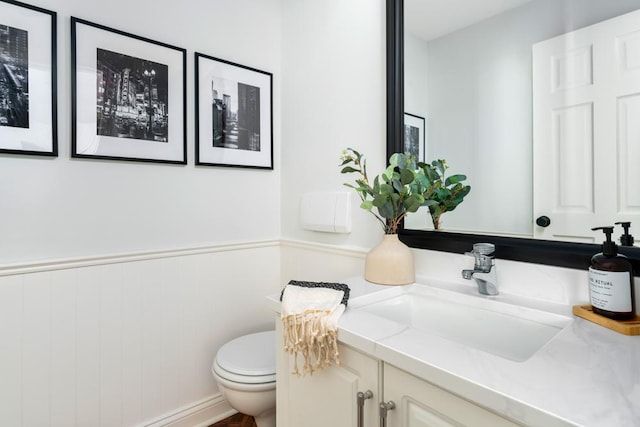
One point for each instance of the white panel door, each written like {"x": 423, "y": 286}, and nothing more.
{"x": 586, "y": 135}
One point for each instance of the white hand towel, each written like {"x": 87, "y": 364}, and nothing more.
{"x": 310, "y": 320}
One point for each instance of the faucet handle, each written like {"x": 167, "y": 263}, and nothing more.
{"x": 482, "y": 253}
{"x": 483, "y": 248}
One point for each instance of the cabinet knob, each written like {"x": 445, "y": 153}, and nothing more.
{"x": 543, "y": 221}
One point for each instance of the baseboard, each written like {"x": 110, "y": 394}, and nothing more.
{"x": 201, "y": 414}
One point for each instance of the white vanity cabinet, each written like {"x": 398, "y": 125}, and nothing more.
{"x": 329, "y": 397}
{"x": 421, "y": 404}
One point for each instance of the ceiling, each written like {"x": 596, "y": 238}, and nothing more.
{"x": 430, "y": 19}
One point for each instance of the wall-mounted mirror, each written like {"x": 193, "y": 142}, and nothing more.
{"x": 501, "y": 83}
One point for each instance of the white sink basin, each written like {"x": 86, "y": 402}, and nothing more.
{"x": 511, "y": 331}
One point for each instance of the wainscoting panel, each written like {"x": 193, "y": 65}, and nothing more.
{"x": 319, "y": 262}
{"x": 127, "y": 340}
{"x": 11, "y": 309}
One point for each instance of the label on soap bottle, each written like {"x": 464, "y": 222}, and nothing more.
{"x": 610, "y": 290}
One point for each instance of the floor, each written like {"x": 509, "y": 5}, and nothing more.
{"x": 237, "y": 420}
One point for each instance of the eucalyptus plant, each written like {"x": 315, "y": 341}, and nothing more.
{"x": 393, "y": 194}
{"x": 442, "y": 194}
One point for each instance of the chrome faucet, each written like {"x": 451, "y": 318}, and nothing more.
{"x": 484, "y": 272}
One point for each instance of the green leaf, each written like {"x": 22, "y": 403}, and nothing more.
{"x": 386, "y": 211}
{"x": 395, "y": 204}
{"x": 406, "y": 176}
{"x": 388, "y": 173}
{"x": 367, "y": 205}
{"x": 386, "y": 189}
{"x": 421, "y": 183}
{"x": 443, "y": 194}
{"x": 439, "y": 165}
{"x": 413, "y": 203}
{"x": 397, "y": 185}
{"x": 454, "y": 179}
{"x": 380, "y": 200}
{"x": 393, "y": 160}
{"x": 348, "y": 169}
{"x": 431, "y": 174}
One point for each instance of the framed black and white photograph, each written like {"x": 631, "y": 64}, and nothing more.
{"x": 233, "y": 114}
{"x": 414, "y": 138}
{"x": 128, "y": 96}
{"x": 28, "y": 94}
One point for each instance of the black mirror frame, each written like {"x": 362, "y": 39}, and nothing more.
{"x": 561, "y": 254}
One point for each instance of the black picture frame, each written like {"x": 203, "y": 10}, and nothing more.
{"x": 233, "y": 114}
{"x": 28, "y": 80}
{"x": 128, "y": 96}
{"x": 414, "y": 136}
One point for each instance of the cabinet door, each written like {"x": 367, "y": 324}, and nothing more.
{"x": 421, "y": 404}
{"x": 329, "y": 397}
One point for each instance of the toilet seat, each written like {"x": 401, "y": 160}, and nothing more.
{"x": 249, "y": 359}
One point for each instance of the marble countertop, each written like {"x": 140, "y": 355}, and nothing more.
{"x": 586, "y": 375}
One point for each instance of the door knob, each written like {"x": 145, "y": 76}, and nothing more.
{"x": 543, "y": 221}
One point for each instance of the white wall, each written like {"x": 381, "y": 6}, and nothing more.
{"x": 416, "y": 69}
{"x": 333, "y": 97}
{"x": 61, "y": 208}
{"x": 480, "y": 122}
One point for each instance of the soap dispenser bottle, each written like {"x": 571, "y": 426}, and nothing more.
{"x": 611, "y": 281}
{"x": 626, "y": 239}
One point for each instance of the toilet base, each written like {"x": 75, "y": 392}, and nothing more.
{"x": 266, "y": 420}
{"x": 261, "y": 405}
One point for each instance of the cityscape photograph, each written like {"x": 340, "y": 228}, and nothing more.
{"x": 412, "y": 140}
{"x": 132, "y": 96}
{"x": 235, "y": 115}
{"x": 14, "y": 77}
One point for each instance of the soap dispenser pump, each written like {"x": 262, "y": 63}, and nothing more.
{"x": 611, "y": 281}
{"x": 626, "y": 239}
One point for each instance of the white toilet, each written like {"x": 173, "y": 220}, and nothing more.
{"x": 245, "y": 369}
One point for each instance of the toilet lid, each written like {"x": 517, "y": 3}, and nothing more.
{"x": 249, "y": 355}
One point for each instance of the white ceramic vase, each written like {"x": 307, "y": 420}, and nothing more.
{"x": 390, "y": 263}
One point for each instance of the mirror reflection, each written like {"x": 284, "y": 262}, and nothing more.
{"x": 532, "y": 100}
